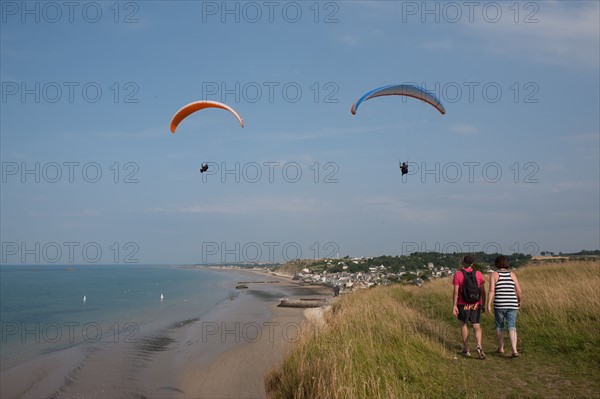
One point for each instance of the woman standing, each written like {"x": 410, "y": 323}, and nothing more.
{"x": 505, "y": 293}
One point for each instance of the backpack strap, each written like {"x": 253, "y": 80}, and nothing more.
{"x": 461, "y": 287}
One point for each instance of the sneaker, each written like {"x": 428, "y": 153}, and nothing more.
{"x": 466, "y": 352}
{"x": 516, "y": 354}
{"x": 480, "y": 353}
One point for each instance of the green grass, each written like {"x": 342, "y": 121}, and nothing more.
{"x": 400, "y": 341}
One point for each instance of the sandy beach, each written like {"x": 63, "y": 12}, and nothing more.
{"x": 225, "y": 353}
{"x": 265, "y": 332}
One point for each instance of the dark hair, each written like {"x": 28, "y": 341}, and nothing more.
{"x": 468, "y": 260}
{"x": 501, "y": 262}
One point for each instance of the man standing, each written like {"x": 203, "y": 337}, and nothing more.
{"x": 468, "y": 302}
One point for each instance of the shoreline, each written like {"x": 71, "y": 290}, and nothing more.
{"x": 225, "y": 352}
{"x": 239, "y": 372}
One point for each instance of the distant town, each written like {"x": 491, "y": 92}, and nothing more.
{"x": 417, "y": 268}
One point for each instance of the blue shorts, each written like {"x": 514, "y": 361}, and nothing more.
{"x": 510, "y": 315}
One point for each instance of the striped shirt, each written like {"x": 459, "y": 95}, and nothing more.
{"x": 505, "y": 296}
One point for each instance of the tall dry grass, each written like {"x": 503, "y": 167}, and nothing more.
{"x": 399, "y": 341}
{"x": 560, "y": 312}
{"x": 372, "y": 345}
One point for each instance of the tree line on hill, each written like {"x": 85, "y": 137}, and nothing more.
{"x": 580, "y": 253}
{"x": 415, "y": 261}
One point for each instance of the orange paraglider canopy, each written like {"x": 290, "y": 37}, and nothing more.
{"x": 197, "y": 106}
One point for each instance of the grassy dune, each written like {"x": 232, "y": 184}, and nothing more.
{"x": 399, "y": 341}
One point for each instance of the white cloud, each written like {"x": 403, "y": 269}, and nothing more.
{"x": 89, "y": 212}
{"x": 569, "y": 186}
{"x": 257, "y": 205}
{"x": 351, "y": 40}
{"x": 588, "y": 143}
{"x": 158, "y": 209}
{"x": 404, "y": 211}
{"x": 323, "y": 133}
{"x": 565, "y": 33}
{"x": 464, "y": 129}
{"x": 583, "y": 138}
{"x": 360, "y": 38}
{"x": 445, "y": 45}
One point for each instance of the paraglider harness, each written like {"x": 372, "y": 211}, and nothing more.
{"x": 404, "y": 168}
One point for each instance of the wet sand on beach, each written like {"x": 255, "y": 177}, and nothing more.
{"x": 224, "y": 353}
{"x": 239, "y": 372}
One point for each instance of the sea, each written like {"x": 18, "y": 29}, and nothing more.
{"x": 48, "y": 309}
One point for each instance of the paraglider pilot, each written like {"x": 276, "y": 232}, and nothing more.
{"x": 404, "y": 168}
{"x": 204, "y": 168}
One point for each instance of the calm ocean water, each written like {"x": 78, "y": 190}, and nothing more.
{"x": 42, "y": 308}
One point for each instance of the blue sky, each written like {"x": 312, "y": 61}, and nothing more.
{"x": 92, "y": 174}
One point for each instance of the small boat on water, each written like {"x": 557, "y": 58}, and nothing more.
{"x": 161, "y": 297}
{"x": 84, "y": 298}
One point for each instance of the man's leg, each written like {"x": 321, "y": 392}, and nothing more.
{"x": 478, "y": 333}
{"x": 479, "y": 337}
{"x": 464, "y": 333}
